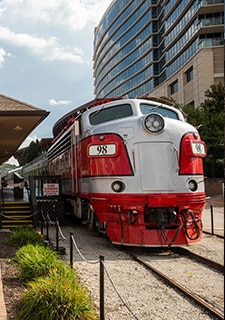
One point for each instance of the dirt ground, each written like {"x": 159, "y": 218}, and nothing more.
{"x": 12, "y": 288}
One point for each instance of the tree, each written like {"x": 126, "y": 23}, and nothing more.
{"x": 211, "y": 115}
{"x": 30, "y": 153}
{"x": 213, "y": 108}
{"x": 5, "y": 167}
{"x": 215, "y": 97}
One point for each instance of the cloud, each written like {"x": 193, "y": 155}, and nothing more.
{"x": 46, "y": 48}
{"x": 1, "y": 10}
{"x": 13, "y": 161}
{"x": 28, "y": 140}
{"x": 2, "y": 56}
{"x": 53, "y": 102}
{"x": 46, "y": 51}
{"x": 73, "y": 14}
{"x": 50, "y": 29}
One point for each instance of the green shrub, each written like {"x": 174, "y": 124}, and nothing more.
{"x": 213, "y": 168}
{"x": 35, "y": 261}
{"x": 57, "y": 297}
{"x": 23, "y": 235}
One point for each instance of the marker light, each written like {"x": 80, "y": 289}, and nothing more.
{"x": 118, "y": 186}
{"x": 192, "y": 185}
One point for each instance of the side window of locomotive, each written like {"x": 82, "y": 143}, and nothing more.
{"x": 109, "y": 114}
{"x": 148, "y": 108}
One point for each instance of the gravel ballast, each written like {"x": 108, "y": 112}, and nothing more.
{"x": 130, "y": 291}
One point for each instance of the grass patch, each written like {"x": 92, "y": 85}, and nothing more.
{"x": 23, "y": 235}
{"x": 34, "y": 261}
{"x": 53, "y": 291}
{"x": 57, "y": 297}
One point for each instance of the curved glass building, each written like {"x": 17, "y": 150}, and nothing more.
{"x": 164, "y": 48}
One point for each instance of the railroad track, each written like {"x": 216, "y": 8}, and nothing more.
{"x": 208, "y": 262}
{"x": 146, "y": 294}
{"x": 206, "y": 267}
{"x": 214, "y": 234}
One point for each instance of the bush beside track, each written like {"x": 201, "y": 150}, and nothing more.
{"x": 53, "y": 291}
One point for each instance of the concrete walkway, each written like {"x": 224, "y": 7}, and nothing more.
{"x": 213, "y": 220}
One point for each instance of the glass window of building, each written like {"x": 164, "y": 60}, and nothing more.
{"x": 174, "y": 87}
{"x": 140, "y": 45}
{"x": 189, "y": 74}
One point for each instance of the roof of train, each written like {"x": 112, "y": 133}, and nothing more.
{"x": 63, "y": 121}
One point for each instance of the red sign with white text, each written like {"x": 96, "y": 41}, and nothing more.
{"x": 51, "y": 189}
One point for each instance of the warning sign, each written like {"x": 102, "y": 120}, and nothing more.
{"x": 51, "y": 189}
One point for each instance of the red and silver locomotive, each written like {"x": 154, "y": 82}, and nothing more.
{"x": 133, "y": 168}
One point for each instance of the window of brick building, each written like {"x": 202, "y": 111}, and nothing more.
{"x": 189, "y": 74}
{"x": 174, "y": 87}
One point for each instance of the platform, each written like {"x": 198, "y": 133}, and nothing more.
{"x": 10, "y": 195}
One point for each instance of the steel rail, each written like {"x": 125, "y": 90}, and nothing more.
{"x": 210, "y": 263}
{"x": 182, "y": 289}
{"x": 214, "y": 234}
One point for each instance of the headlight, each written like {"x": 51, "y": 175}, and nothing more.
{"x": 192, "y": 185}
{"x": 118, "y": 186}
{"x": 154, "y": 122}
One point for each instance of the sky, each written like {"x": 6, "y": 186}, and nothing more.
{"x": 46, "y": 51}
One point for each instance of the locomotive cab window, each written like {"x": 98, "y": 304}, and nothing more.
{"x": 109, "y": 114}
{"x": 149, "y": 108}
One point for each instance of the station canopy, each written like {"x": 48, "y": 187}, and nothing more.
{"x": 17, "y": 121}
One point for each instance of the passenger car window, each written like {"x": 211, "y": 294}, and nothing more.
{"x": 112, "y": 113}
{"x": 149, "y": 108}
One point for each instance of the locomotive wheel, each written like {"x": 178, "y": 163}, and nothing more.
{"x": 93, "y": 219}
{"x": 95, "y": 224}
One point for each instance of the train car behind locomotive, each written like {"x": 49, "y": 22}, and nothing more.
{"x": 132, "y": 167}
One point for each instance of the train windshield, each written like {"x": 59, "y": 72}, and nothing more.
{"x": 109, "y": 114}
{"x": 147, "y": 108}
